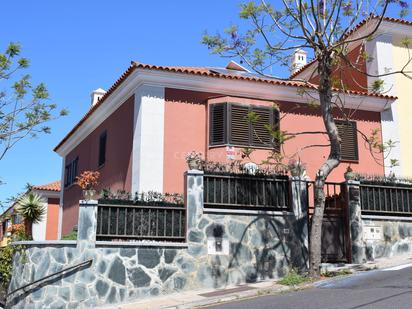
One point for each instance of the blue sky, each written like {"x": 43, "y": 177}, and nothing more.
{"x": 77, "y": 46}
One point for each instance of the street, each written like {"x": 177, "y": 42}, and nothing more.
{"x": 386, "y": 289}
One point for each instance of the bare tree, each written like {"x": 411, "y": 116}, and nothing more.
{"x": 267, "y": 36}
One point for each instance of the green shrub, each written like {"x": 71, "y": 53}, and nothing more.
{"x": 6, "y": 264}
{"x": 293, "y": 278}
{"x": 71, "y": 236}
{"x": 7, "y": 253}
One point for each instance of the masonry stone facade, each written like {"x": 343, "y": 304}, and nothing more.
{"x": 375, "y": 237}
{"x": 395, "y": 238}
{"x": 222, "y": 248}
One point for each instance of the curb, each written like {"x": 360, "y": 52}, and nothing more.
{"x": 236, "y": 296}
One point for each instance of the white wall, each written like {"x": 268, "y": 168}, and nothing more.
{"x": 381, "y": 51}
{"x": 39, "y": 229}
{"x": 148, "y": 139}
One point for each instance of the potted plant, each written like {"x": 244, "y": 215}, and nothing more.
{"x": 349, "y": 174}
{"x": 194, "y": 160}
{"x": 297, "y": 168}
{"x": 31, "y": 208}
{"x": 87, "y": 181}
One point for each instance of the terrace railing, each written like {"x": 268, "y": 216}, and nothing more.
{"x": 128, "y": 222}
{"x": 386, "y": 199}
{"x": 232, "y": 191}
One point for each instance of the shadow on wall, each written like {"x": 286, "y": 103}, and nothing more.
{"x": 19, "y": 294}
{"x": 267, "y": 248}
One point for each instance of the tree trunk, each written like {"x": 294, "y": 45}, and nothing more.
{"x": 325, "y": 97}
{"x": 28, "y": 226}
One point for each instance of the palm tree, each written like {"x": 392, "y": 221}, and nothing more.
{"x": 31, "y": 208}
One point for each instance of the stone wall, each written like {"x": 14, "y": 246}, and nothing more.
{"x": 375, "y": 236}
{"x": 116, "y": 275}
{"x": 395, "y": 237}
{"x": 254, "y": 245}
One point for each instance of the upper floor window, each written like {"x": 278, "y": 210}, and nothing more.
{"x": 102, "y": 148}
{"x": 71, "y": 172}
{"x": 230, "y": 124}
{"x": 348, "y": 134}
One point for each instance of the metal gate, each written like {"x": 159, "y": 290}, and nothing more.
{"x": 335, "y": 231}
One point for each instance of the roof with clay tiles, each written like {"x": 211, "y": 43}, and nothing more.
{"x": 53, "y": 186}
{"x": 208, "y": 72}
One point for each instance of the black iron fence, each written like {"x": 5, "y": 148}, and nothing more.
{"x": 231, "y": 191}
{"x": 386, "y": 199}
{"x": 141, "y": 222}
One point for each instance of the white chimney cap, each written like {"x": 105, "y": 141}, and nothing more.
{"x": 96, "y": 95}
{"x": 298, "y": 60}
{"x": 300, "y": 51}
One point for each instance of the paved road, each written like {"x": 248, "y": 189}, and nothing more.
{"x": 386, "y": 289}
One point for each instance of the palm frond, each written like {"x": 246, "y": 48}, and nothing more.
{"x": 31, "y": 207}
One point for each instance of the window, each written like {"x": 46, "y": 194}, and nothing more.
{"x": 229, "y": 124}
{"x": 349, "y": 140}
{"x": 71, "y": 172}
{"x": 102, "y": 148}
{"x": 17, "y": 219}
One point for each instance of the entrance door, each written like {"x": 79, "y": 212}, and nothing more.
{"x": 335, "y": 222}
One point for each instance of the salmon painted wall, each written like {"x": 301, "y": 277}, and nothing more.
{"x": 52, "y": 218}
{"x": 115, "y": 173}
{"x": 186, "y": 129}
{"x": 307, "y": 119}
{"x": 299, "y": 118}
{"x": 352, "y": 78}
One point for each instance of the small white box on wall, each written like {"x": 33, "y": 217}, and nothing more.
{"x": 372, "y": 232}
{"x": 218, "y": 246}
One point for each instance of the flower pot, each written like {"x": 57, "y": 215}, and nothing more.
{"x": 89, "y": 194}
{"x": 193, "y": 164}
{"x": 298, "y": 171}
{"x": 349, "y": 175}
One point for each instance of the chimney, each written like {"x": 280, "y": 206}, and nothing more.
{"x": 298, "y": 60}
{"x": 96, "y": 95}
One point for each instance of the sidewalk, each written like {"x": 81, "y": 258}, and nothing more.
{"x": 205, "y": 297}
{"x": 377, "y": 264}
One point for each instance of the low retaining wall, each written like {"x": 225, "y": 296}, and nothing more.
{"x": 376, "y": 236}
{"x": 222, "y": 249}
{"x": 386, "y": 237}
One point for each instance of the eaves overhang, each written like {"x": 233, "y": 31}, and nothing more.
{"x": 258, "y": 88}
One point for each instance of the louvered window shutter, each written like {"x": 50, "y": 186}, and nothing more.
{"x": 239, "y": 125}
{"x": 261, "y": 136}
{"x": 217, "y": 124}
{"x": 229, "y": 124}
{"x": 349, "y": 140}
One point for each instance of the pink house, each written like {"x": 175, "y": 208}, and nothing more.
{"x": 47, "y": 228}
{"x": 137, "y": 133}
